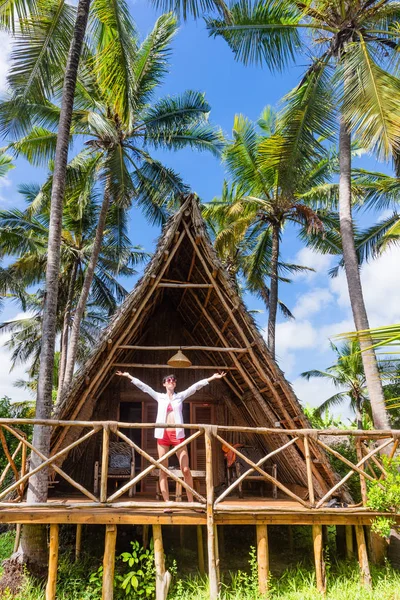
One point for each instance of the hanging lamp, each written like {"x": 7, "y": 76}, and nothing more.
{"x": 179, "y": 360}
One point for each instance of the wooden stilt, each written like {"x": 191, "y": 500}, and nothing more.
{"x": 378, "y": 548}
{"x": 109, "y": 562}
{"x": 319, "y": 558}
{"x": 53, "y": 563}
{"x": 363, "y": 556}
{"x": 349, "y": 542}
{"x": 78, "y": 541}
{"x": 163, "y": 577}
{"x": 262, "y": 558}
{"x": 217, "y": 564}
{"x": 145, "y": 538}
{"x": 182, "y": 535}
{"x": 212, "y": 567}
{"x": 340, "y": 541}
{"x": 17, "y": 537}
{"x": 200, "y": 549}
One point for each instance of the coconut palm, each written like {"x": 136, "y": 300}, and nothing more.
{"x": 354, "y": 53}
{"x": 265, "y": 200}
{"x": 119, "y": 130}
{"x": 347, "y": 374}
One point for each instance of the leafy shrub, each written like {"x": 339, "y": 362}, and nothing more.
{"x": 384, "y": 496}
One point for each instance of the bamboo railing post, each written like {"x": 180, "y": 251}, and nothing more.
{"x": 200, "y": 549}
{"x": 163, "y": 577}
{"x": 319, "y": 558}
{"x": 109, "y": 562}
{"x": 104, "y": 463}
{"x": 349, "y": 542}
{"x": 262, "y": 558}
{"x": 309, "y": 471}
{"x": 53, "y": 563}
{"x": 363, "y": 556}
{"x": 212, "y": 567}
{"x": 78, "y": 541}
{"x": 363, "y": 483}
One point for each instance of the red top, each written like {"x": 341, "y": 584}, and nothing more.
{"x": 169, "y": 408}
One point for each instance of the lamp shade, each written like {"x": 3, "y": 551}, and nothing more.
{"x": 179, "y": 360}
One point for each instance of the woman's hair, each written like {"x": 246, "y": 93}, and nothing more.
{"x": 166, "y": 377}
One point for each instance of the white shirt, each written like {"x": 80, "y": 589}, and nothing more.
{"x": 163, "y": 400}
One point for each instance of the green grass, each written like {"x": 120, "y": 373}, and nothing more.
{"x": 297, "y": 583}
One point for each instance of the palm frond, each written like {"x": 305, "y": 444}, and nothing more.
{"x": 261, "y": 31}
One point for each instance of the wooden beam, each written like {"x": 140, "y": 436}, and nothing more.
{"x": 53, "y": 563}
{"x": 166, "y": 366}
{"x": 183, "y": 348}
{"x": 319, "y": 558}
{"x": 17, "y": 537}
{"x": 309, "y": 471}
{"x": 212, "y": 566}
{"x": 184, "y": 286}
{"x": 363, "y": 557}
{"x": 262, "y": 558}
{"x": 163, "y": 577}
{"x": 200, "y": 549}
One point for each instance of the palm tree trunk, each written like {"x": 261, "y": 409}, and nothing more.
{"x": 374, "y": 385}
{"x": 38, "y": 484}
{"x": 80, "y": 309}
{"x": 273, "y": 295}
{"x": 65, "y": 331}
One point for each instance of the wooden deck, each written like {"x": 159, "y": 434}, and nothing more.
{"x": 145, "y": 511}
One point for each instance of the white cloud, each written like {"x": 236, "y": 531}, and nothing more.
{"x": 312, "y": 302}
{"x": 316, "y": 391}
{"x": 294, "y": 335}
{"x": 5, "y": 45}
{"x": 308, "y": 258}
{"x": 381, "y": 288}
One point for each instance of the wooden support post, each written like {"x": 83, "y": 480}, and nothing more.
{"x": 200, "y": 549}
{"x": 363, "y": 483}
{"x": 309, "y": 471}
{"x": 291, "y": 539}
{"x": 163, "y": 577}
{"x": 262, "y": 558}
{"x": 217, "y": 565}
{"x": 109, "y": 562}
{"x": 212, "y": 566}
{"x": 319, "y": 558}
{"x": 78, "y": 541}
{"x": 349, "y": 542}
{"x": 104, "y": 463}
{"x": 17, "y": 537}
{"x": 378, "y": 548}
{"x": 145, "y": 538}
{"x": 363, "y": 556}
{"x": 53, "y": 563}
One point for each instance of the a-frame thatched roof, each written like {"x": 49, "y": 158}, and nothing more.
{"x": 211, "y": 315}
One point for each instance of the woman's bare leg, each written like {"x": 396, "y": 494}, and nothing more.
{"x": 162, "y": 450}
{"x": 187, "y": 475}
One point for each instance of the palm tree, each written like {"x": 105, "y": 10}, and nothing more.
{"x": 119, "y": 131}
{"x": 265, "y": 200}
{"x": 24, "y": 235}
{"x": 354, "y": 46}
{"x": 347, "y": 374}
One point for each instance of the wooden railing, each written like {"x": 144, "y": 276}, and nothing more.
{"x": 368, "y": 445}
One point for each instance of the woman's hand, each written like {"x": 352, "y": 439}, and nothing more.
{"x": 217, "y": 376}
{"x": 124, "y": 374}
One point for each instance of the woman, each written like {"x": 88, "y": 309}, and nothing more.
{"x": 170, "y": 411}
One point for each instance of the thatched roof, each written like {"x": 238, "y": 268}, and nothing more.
{"x": 213, "y": 315}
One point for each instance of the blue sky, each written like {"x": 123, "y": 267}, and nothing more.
{"x": 320, "y": 304}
